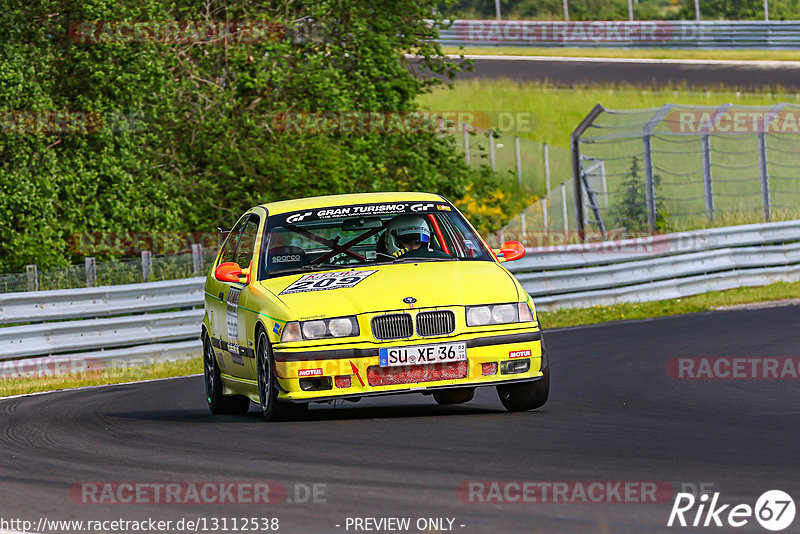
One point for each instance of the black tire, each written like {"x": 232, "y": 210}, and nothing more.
{"x": 271, "y": 408}
{"x": 525, "y": 395}
{"x": 217, "y": 402}
{"x": 454, "y": 396}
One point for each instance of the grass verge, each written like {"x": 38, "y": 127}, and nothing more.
{"x": 636, "y": 53}
{"x": 21, "y": 386}
{"x": 645, "y": 310}
{"x": 552, "y": 112}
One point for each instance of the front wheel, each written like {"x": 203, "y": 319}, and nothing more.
{"x": 454, "y": 396}
{"x": 217, "y": 402}
{"x": 271, "y": 408}
{"x": 525, "y": 395}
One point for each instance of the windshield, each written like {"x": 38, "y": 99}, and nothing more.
{"x": 368, "y": 234}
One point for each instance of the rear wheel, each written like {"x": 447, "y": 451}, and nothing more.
{"x": 525, "y": 395}
{"x": 454, "y": 396}
{"x": 217, "y": 402}
{"x": 271, "y": 408}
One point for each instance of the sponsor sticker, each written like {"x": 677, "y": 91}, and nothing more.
{"x": 276, "y": 329}
{"x": 310, "y": 372}
{"x": 288, "y": 258}
{"x": 520, "y": 353}
{"x": 325, "y": 281}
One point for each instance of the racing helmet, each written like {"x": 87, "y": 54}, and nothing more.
{"x": 405, "y": 228}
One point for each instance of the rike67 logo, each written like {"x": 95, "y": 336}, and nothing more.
{"x": 774, "y": 510}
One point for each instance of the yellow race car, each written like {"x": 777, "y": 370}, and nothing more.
{"x": 349, "y": 296}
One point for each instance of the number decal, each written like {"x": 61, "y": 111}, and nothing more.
{"x": 326, "y": 281}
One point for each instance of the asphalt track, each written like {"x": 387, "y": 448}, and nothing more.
{"x": 696, "y": 74}
{"x": 614, "y": 415}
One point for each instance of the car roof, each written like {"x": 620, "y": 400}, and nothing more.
{"x": 285, "y": 206}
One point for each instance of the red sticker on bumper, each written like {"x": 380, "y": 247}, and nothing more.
{"x": 519, "y": 353}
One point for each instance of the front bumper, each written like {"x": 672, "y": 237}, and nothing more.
{"x": 324, "y": 362}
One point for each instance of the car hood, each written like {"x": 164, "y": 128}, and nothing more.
{"x": 445, "y": 283}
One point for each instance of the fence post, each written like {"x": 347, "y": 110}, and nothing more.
{"x": 466, "y": 142}
{"x": 543, "y": 202}
{"x": 491, "y": 149}
{"x": 762, "y": 167}
{"x": 519, "y": 161}
{"x": 147, "y": 265}
{"x": 647, "y": 155}
{"x": 197, "y": 258}
{"x": 649, "y": 185}
{"x": 577, "y": 170}
{"x": 708, "y": 189}
{"x": 564, "y": 209}
{"x": 33, "y": 277}
{"x": 91, "y": 271}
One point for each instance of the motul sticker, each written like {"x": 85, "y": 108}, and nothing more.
{"x": 520, "y": 353}
{"x": 309, "y": 372}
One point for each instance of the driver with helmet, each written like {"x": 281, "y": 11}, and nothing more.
{"x": 408, "y": 236}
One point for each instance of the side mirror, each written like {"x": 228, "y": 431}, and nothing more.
{"x": 510, "y": 251}
{"x": 230, "y": 272}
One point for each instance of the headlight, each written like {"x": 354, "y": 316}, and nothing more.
{"x": 320, "y": 328}
{"x": 498, "y": 314}
{"x": 341, "y": 327}
{"x": 479, "y": 316}
{"x": 504, "y": 313}
{"x": 314, "y": 329}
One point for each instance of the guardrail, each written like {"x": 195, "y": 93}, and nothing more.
{"x": 95, "y": 328}
{"x": 75, "y": 330}
{"x": 660, "y": 267}
{"x": 634, "y": 34}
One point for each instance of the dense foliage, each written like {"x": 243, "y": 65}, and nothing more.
{"x": 183, "y": 134}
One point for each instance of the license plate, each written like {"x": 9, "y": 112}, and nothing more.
{"x": 423, "y": 354}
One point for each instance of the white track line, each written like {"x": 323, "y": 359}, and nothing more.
{"x": 89, "y": 387}
{"x": 653, "y": 61}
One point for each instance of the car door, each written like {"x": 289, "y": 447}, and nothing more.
{"x": 240, "y": 329}
{"x": 223, "y": 299}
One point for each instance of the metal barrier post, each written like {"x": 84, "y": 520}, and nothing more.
{"x": 147, "y": 265}
{"x": 708, "y": 189}
{"x": 91, "y": 272}
{"x": 762, "y": 167}
{"x": 519, "y": 161}
{"x": 33, "y": 277}
{"x": 564, "y": 208}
